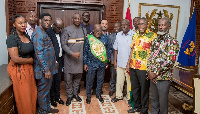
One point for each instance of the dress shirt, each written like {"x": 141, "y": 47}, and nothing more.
{"x": 29, "y": 30}
{"x": 59, "y": 43}
{"x": 122, "y": 45}
{"x": 162, "y": 57}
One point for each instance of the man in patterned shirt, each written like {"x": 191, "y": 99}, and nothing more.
{"x": 138, "y": 65}
{"x": 161, "y": 60}
{"x": 44, "y": 63}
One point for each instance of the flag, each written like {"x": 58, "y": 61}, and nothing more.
{"x": 187, "y": 52}
{"x": 128, "y": 16}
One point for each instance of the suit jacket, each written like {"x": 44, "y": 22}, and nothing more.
{"x": 45, "y": 59}
{"x": 112, "y": 39}
{"x": 54, "y": 40}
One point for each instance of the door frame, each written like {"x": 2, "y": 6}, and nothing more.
{"x": 71, "y": 6}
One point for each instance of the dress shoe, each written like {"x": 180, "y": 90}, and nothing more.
{"x": 115, "y": 99}
{"x": 77, "y": 98}
{"x": 69, "y": 100}
{"x": 100, "y": 98}
{"x": 131, "y": 110}
{"x": 53, "y": 110}
{"x": 60, "y": 101}
{"x": 53, "y": 103}
{"x": 94, "y": 92}
{"x": 111, "y": 93}
{"x": 88, "y": 100}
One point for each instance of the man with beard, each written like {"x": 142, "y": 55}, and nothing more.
{"x": 104, "y": 26}
{"x": 161, "y": 60}
{"x": 96, "y": 55}
{"x": 44, "y": 63}
{"x": 112, "y": 38}
{"x": 54, "y": 33}
{"x": 31, "y": 22}
{"x": 121, "y": 56}
{"x": 137, "y": 65}
{"x": 85, "y": 23}
{"x": 72, "y": 40}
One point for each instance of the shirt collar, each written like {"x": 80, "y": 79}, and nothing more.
{"x": 129, "y": 33}
{"x": 29, "y": 26}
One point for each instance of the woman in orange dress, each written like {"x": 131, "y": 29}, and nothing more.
{"x": 20, "y": 68}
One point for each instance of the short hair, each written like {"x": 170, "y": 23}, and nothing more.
{"x": 44, "y": 14}
{"x": 15, "y": 17}
{"x": 144, "y": 19}
{"x": 85, "y": 12}
{"x": 168, "y": 20}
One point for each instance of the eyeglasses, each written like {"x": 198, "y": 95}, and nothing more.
{"x": 86, "y": 15}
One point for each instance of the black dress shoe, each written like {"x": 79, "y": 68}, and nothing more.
{"x": 60, "y": 101}
{"x": 111, "y": 93}
{"x": 69, "y": 100}
{"x": 88, "y": 100}
{"x": 131, "y": 110}
{"x": 53, "y": 103}
{"x": 100, "y": 98}
{"x": 94, "y": 92}
{"x": 53, "y": 110}
{"x": 77, "y": 98}
{"x": 115, "y": 99}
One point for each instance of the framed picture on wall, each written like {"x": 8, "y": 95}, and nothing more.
{"x": 153, "y": 12}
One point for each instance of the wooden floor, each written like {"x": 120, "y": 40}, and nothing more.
{"x": 176, "y": 99}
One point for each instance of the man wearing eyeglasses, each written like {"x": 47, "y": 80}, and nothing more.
{"x": 54, "y": 33}
{"x": 85, "y": 23}
{"x": 137, "y": 65}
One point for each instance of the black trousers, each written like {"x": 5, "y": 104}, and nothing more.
{"x": 140, "y": 89}
{"x": 55, "y": 88}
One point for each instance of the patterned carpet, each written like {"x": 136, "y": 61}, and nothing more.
{"x": 176, "y": 99}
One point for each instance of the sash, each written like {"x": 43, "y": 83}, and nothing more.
{"x": 97, "y": 49}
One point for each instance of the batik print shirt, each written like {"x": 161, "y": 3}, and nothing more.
{"x": 162, "y": 57}
{"x": 45, "y": 59}
{"x": 141, "y": 48}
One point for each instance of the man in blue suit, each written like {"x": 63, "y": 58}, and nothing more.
{"x": 54, "y": 33}
{"x": 44, "y": 63}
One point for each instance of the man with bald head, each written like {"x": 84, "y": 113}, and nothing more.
{"x": 121, "y": 55}
{"x": 72, "y": 40}
{"x": 31, "y": 22}
{"x": 137, "y": 65}
{"x": 54, "y": 32}
{"x": 97, "y": 52}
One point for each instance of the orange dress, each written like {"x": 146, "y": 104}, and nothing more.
{"x": 24, "y": 87}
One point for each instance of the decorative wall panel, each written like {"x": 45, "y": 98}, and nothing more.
{"x": 196, "y": 3}
{"x": 113, "y": 8}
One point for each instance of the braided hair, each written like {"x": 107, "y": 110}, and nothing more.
{"x": 16, "y": 36}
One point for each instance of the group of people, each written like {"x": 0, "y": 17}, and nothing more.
{"x": 139, "y": 57}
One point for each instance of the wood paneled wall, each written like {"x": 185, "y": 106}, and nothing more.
{"x": 196, "y": 3}
{"x": 113, "y": 8}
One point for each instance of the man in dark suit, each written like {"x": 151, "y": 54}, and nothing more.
{"x": 54, "y": 33}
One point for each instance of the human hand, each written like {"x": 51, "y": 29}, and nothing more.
{"x": 76, "y": 54}
{"x": 86, "y": 68}
{"x": 48, "y": 75}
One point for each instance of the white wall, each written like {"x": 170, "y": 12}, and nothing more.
{"x": 3, "y": 36}
{"x": 183, "y": 15}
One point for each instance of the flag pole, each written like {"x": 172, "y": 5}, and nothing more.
{"x": 129, "y": 2}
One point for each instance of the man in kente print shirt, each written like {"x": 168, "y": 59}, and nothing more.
{"x": 138, "y": 65}
{"x": 160, "y": 62}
